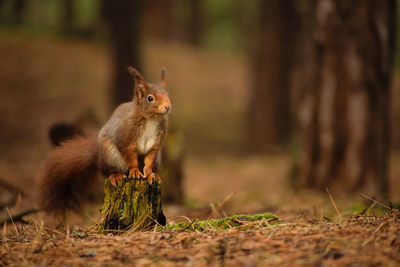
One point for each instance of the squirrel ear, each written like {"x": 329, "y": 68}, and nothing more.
{"x": 140, "y": 83}
{"x": 164, "y": 77}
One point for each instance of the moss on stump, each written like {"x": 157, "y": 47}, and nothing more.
{"x": 132, "y": 205}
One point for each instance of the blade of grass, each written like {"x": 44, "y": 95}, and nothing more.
{"x": 15, "y": 227}
{"x": 333, "y": 203}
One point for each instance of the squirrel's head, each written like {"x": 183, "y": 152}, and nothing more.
{"x": 152, "y": 99}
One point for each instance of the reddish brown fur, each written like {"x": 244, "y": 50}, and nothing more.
{"x": 68, "y": 175}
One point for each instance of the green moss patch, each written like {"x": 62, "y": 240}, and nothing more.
{"x": 247, "y": 221}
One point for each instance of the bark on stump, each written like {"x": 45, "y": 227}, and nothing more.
{"x": 132, "y": 205}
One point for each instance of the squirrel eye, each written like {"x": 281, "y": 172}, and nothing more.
{"x": 149, "y": 98}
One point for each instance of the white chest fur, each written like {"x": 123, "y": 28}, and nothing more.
{"x": 148, "y": 136}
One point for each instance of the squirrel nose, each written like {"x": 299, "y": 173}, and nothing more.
{"x": 167, "y": 108}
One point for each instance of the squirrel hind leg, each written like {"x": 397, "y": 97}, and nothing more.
{"x": 110, "y": 158}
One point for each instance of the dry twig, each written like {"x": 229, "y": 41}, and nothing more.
{"x": 19, "y": 217}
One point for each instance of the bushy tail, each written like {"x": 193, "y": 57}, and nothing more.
{"x": 68, "y": 176}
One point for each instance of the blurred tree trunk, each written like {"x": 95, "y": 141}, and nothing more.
{"x": 345, "y": 117}
{"x": 18, "y": 9}
{"x": 195, "y": 23}
{"x": 165, "y": 19}
{"x": 68, "y": 14}
{"x": 1, "y": 11}
{"x": 269, "y": 107}
{"x": 124, "y": 20}
{"x": 304, "y": 66}
{"x": 158, "y": 18}
{"x": 172, "y": 165}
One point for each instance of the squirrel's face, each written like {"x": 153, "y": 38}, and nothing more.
{"x": 155, "y": 101}
{"x": 151, "y": 98}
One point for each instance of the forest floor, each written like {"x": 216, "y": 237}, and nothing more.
{"x": 45, "y": 80}
{"x": 353, "y": 240}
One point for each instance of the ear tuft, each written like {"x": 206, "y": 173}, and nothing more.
{"x": 164, "y": 77}
{"x": 140, "y": 83}
{"x": 133, "y": 72}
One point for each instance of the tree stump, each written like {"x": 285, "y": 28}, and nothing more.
{"x": 132, "y": 205}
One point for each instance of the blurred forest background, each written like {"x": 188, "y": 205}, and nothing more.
{"x": 271, "y": 99}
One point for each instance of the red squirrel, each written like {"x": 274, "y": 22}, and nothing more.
{"x": 129, "y": 142}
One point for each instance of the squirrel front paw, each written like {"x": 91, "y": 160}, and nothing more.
{"x": 151, "y": 177}
{"x": 148, "y": 172}
{"x": 158, "y": 178}
{"x": 116, "y": 178}
{"x": 135, "y": 173}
